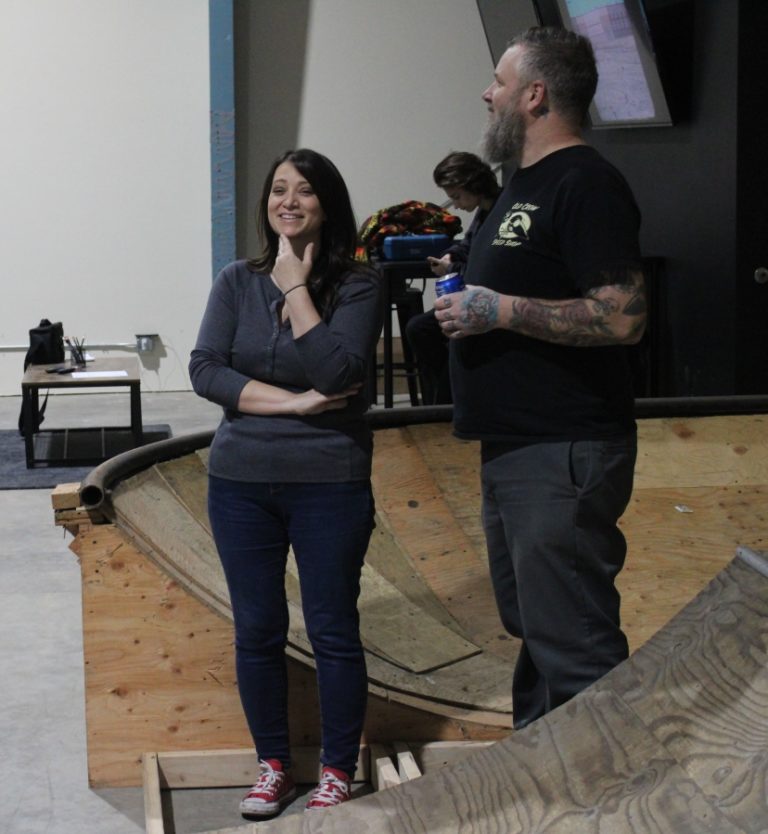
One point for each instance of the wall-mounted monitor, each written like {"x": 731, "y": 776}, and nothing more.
{"x": 502, "y": 19}
{"x": 629, "y": 91}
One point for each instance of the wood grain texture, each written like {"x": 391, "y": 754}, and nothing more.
{"x": 673, "y": 554}
{"x": 409, "y": 650}
{"x": 673, "y": 741}
{"x": 159, "y": 668}
{"x": 147, "y": 678}
{"x": 702, "y": 689}
{"x": 702, "y": 451}
{"x": 419, "y": 489}
{"x": 159, "y": 672}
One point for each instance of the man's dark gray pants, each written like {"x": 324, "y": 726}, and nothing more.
{"x": 550, "y": 513}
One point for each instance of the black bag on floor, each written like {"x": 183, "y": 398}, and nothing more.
{"x": 46, "y": 347}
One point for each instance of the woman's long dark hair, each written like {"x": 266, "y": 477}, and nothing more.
{"x": 338, "y": 236}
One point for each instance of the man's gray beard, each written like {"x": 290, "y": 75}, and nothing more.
{"x": 504, "y": 138}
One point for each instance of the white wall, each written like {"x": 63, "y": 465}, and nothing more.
{"x": 105, "y": 206}
{"x": 386, "y": 90}
{"x": 390, "y": 88}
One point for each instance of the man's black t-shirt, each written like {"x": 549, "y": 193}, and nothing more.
{"x": 561, "y": 227}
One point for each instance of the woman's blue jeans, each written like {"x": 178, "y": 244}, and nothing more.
{"x": 329, "y": 526}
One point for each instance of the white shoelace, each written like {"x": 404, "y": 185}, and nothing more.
{"x": 269, "y": 776}
{"x": 331, "y": 789}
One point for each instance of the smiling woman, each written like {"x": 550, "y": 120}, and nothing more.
{"x": 293, "y": 208}
{"x": 284, "y": 347}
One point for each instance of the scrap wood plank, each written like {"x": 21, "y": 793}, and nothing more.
{"x": 68, "y": 510}
{"x": 66, "y": 496}
{"x": 154, "y": 822}
{"x": 406, "y": 763}
{"x": 383, "y": 773}
{"x": 433, "y": 755}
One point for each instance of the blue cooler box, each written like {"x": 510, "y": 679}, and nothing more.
{"x": 414, "y": 247}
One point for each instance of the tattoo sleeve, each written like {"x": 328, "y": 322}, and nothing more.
{"x": 609, "y": 314}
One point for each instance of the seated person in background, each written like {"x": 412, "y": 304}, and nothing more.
{"x": 470, "y": 184}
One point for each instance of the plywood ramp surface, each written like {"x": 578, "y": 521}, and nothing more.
{"x": 414, "y": 644}
{"x": 673, "y": 740}
{"x": 159, "y": 673}
{"x": 699, "y": 492}
{"x": 700, "y": 489}
{"x": 427, "y": 608}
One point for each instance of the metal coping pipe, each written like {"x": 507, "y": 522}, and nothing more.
{"x": 97, "y": 484}
{"x": 95, "y": 488}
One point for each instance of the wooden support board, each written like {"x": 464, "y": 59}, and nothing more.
{"x": 239, "y": 768}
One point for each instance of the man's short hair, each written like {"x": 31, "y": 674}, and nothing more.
{"x": 565, "y": 61}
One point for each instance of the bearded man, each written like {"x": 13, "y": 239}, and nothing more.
{"x": 540, "y": 374}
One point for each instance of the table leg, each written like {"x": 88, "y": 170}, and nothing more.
{"x": 29, "y": 412}
{"x": 388, "y": 371}
{"x": 407, "y": 307}
{"x": 137, "y": 427}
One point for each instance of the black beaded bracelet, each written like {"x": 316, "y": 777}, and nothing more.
{"x": 294, "y": 287}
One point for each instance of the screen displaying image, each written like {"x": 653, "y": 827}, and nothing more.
{"x": 629, "y": 92}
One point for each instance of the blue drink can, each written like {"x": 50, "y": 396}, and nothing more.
{"x": 449, "y": 283}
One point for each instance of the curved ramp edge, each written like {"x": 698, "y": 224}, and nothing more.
{"x": 410, "y": 652}
{"x": 674, "y": 739}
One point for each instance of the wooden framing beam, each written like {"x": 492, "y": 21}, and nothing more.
{"x": 232, "y": 768}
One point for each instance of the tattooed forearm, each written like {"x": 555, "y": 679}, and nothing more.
{"x": 574, "y": 322}
{"x": 609, "y": 315}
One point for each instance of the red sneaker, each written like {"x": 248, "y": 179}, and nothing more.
{"x": 272, "y": 791}
{"x": 334, "y": 788}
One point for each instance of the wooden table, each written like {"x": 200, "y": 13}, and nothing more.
{"x": 70, "y": 447}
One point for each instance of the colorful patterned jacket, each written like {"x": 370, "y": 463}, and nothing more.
{"x": 409, "y": 218}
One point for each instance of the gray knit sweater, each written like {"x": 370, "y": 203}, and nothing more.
{"x": 241, "y": 338}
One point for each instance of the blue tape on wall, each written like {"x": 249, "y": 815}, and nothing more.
{"x": 222, "y": 72}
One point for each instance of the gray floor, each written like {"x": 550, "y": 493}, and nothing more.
{"x": 43, "y": 775}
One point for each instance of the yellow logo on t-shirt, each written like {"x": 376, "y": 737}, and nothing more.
{"x": 515, "y": 226}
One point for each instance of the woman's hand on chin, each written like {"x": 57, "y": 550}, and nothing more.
{"x": 290, "y": 270}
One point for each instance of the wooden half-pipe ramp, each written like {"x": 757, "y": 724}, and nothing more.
{"x": 157, "y": 625}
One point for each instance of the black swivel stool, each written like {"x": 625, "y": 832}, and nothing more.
{"x": 406, "y": 301}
